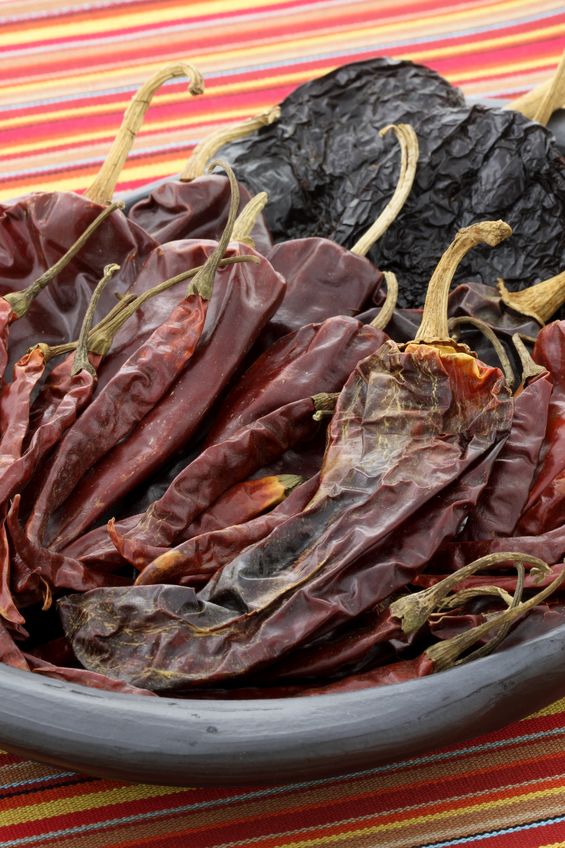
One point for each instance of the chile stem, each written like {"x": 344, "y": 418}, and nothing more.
{"x": 203, "y": 152}
{"x": 530, "y": 369}
{"x": 102, "y": 188}
{"x": 414, "y": 610}
{"x": 203, "y": 282}
{"x": 81, "y": 362}
{"x": 409, "y": 152}
{"x": 388, "y": 307}
{"x": 247, "y": 219}
{"x": 444, "y": 654}
{"x": 489, "y": 334}
{"x": 539, "y": 301}
{"x": 101, "y": 337}
{"x": 434, "y": 327}
{"x": 20, "y": 301}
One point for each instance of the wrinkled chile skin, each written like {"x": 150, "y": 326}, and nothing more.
{"x": 474, "y": 163}
{"x": 196, "y": 209}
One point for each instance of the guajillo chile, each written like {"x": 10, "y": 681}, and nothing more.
{"x": 213, "y": 472}
{"x": 242, "y": 302}
{"x": 196, "y": 561}
{"x": 315, "y": 358}
{"x": 16, "y": 469}
{"x": 325, "y": 279}
{"x": 409, "y": 426}
{"x": 37, "y": 229}
{"x": 243, "y": 502}
{"x": 506, "y": 493}
{"x": 16, "y": 304}
{"x": 133, "y": 391}
{"x": 196, "y": 205}
{"x": 544, "y": 508}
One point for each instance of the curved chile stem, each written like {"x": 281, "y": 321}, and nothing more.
{"x": 102, "y": 188}
{"x": 203, "y": 283}
{"x": 324, "y": 404}
{"x": 530, "y": 368}
{"x": 20, "y": 301}
{"x": 388, "y": 307}
{"x": 203, "y": 152}
{"x": 247, "y": 219}
{"x": 414, "y": 610}
{"x": 443, "y": 655}
{"x": 80, "y": 362}
{"x": 489, "y": 333}
{"x": 554, "y": 97}
{"x": 434, "y": 328}
{"x": 540, "y": 301}
{"x": 409, "y": 152}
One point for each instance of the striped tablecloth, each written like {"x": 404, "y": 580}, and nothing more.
{"x": 67, "y": 72}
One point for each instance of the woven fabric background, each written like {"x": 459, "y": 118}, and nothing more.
{"x": 67, "y": 72}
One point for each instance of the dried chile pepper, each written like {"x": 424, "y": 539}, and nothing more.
{"x": 242, "y": 302}
{"x": 317, "y": 357}
{"x": 408, "y": 425}
{"x": 196, "y": 205}
{"x": 506, "y": 493}
{"x": 195, "y": 561}
{"x": 201, "y": 556}
{"x": 213, "y": 471}
{"x": 474, "y": 161}
{"x": 133, "y": 392}
{"x": 36, "y": 230}
{"x": 81, "y": 676}
{"x": 243, "y": 502}
{"x": 323, "y": 278}
{"x": 544, "y": 508}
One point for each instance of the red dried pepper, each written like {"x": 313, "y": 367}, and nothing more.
{"x": 544, "y": 508}
{"x": 241, "y": 304}
{"x": 196, "y": 205}
{"x": 133, "y": 392}
{"x": 202, "y": 555}
{"x": 407, "y": 426}
{"x": 195, "y": 561}
{"x": 243, "y": 502}
{"x": 506, "y": 493}
{"x": 37, "y": 229}
{"x": 214, "y": 471}
{"x": 82, "y": 677}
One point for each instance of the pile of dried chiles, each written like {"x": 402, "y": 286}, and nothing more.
{"x": 293, "y": 423}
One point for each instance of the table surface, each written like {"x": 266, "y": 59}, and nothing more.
{"x": 67, "y": 72}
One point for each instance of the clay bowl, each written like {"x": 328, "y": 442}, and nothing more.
{"x": 213, "y": 742}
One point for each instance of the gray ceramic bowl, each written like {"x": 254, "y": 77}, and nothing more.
{"x": 188, "y": 742}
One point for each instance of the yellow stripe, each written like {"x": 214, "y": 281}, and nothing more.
{"x": 78, "y": 803}
{"x": 293, "y": 49}
{"x": 553, "y": 709}
{"x": 150, "y": 127}
{"x": 404, "y": 823}
{"x": 218, "y": 91}
{"x": 108, "y": 23}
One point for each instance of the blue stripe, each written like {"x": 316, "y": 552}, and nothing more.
{"x": 47, "y": 777}
{"x": 465, "y": 840}
{"x": 279, "y": 790}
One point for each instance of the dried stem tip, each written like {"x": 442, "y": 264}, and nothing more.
{"x": 409, "y": 152}
{"x": 247, "y": 219}
{"x": 81, "y": 362}
{"x": 105, "y": 181}
{"x": 388, "y": 307}
{"x": 203, "y": 283}
{"x": 203, "y": 152}
{"x": 539, "y": 301}
{"x": 434, "y": 327}
{"x": 530, "y": 369}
